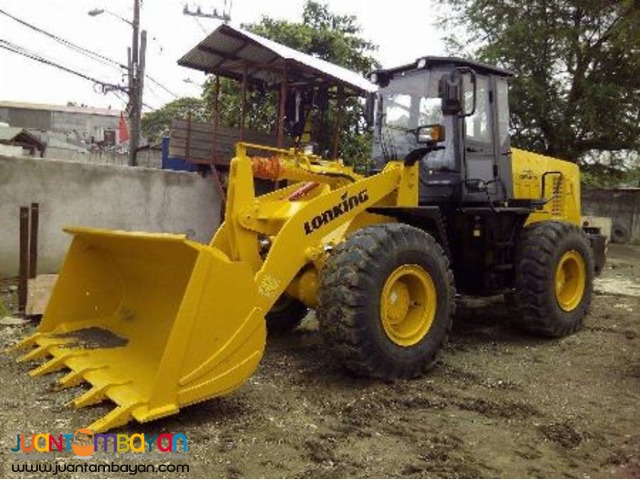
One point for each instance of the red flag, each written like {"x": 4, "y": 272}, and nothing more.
{"x": 123, "y": 131}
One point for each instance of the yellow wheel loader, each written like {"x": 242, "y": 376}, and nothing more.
{"x": 155, "y": 322}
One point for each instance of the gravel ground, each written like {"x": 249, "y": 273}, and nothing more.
{"x": 500, "y": 403}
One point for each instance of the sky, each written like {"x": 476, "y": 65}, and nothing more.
{"x": 404, "y": 30}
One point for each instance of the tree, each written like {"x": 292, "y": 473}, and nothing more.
{"x": 577, "y": 65}
{"x": 322, "y": 33}
{"x": 157, "y": 123}
{"x": 260, "y": 105}
{"x": 331, "y": 37}
{"x": 326, "y": 35}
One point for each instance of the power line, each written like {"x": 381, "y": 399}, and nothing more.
{"x": 158, "y": 97}
{"x": 162, "y": 86}
{"x": 124, "y": 100}
{"x": 117, "y": 94}
{"x": 83, "y": 51}
{"x": 200, "y": 24}
{"x": 12, "y": 47}
{"x": 153, "y": 92}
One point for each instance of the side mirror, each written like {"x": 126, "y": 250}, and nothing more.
{"x": 430, "y": 134}
{"x": 369, "y": 109}
{"x": 450, "y": 90}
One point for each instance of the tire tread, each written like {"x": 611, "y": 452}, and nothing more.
{"x": 535, "y": 267}
{"x": 345, "y": 289}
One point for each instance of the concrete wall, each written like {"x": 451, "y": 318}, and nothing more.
{"x": 621, "y": 205}
{"x": 146, "y": 158}
{"x": 11, "y": 150}
{"x": 26, "y": 118}
{"x": 103, "y": 196}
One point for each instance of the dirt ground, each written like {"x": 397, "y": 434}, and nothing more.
{"x": 500, "y": 404}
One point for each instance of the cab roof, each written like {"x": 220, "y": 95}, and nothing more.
{"x": 428, "y": 62}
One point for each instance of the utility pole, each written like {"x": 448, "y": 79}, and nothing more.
{"x": 135, "y": 76}
{"x": 137, "y": 54}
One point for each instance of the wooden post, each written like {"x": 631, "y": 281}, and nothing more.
{"x": 24, "y": 259}
{"x": 216, "y": 115}
{"x": 214, "y": 169}
{"x": 33, "y": 240}
{"x": 322, "y": 145}
{"x": 243, "y": 110}
{"x": 339, "y": 113}
{"x": 188, "y": 143}
{"x": 283, "y": 99}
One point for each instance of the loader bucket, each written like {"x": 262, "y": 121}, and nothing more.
{"x": 152, "y": 322}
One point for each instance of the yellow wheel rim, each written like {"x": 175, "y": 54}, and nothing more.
{"x": 408, "y": 305}
{"x": 570, "y": 281}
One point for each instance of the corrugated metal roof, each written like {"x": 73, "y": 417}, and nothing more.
{"x": 111, "y": 112}
{"x": 228, "y": 50}
{"x": 7, "y": 134}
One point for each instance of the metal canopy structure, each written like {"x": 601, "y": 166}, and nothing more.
{"x": 305, "y": 87}
{"x": 231, "y": 52}
{"x": 19, "y": 137}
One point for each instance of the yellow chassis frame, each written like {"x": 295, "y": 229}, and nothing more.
{"x": 295, "y": 254}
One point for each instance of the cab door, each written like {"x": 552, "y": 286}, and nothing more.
{"x": 481, "y": 179}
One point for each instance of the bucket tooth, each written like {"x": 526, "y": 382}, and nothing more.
{"x": 73, "y": 379}
{"x": 53, "y": 365}
{"x": 95, "y": 395}
{"x": 91, "y": 396}
{"x": 42, "y": 349}
{"x": 117, "y": 417}
{"x": 35, "y": 354}
{"x": 30, "y": 341}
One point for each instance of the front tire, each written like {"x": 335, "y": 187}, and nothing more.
{"x": 554, "y": 279}
{"x": 386, "y": 299}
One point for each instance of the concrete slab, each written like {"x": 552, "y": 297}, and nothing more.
{"x": 39, "y": 292}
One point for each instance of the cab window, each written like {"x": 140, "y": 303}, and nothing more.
{"x": 478, "y": 125}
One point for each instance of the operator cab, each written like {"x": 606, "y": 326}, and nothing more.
{"x": 452, "y": 116}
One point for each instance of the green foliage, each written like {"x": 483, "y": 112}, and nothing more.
{"x": 326, "y": 35}
{"x": 611, "y": 170}
{"x": 334, "y": 38}
{"x": 577, "y": 63}
{"x": 603, "y": 176}
{"x": 157, "y": 123}
{"x": 261, "y": 105}
{"x": 331, "y": 37}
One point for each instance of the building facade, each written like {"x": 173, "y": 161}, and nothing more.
{"x": 75, "y": 123}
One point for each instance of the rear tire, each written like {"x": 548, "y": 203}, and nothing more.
{"x": 554, "y": 279}
{"x": 285, "y": 315}
{"x": 386, "y": 299}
